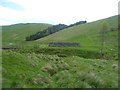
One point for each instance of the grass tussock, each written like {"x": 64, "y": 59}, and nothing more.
{"x": 31, "y": 70}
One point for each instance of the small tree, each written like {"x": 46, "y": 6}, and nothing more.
{"x": 103, "y": 33}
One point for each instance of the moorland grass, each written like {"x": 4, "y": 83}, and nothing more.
{"x": 31, "y": 70}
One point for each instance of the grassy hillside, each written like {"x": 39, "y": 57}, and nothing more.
{"x": 40, "y": 66}
{"x": 32, "y": 70}
{"x": 87, "y": 34}
{"x": 18, "y": 32}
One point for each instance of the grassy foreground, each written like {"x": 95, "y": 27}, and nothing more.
{"x": 37, "y": 70}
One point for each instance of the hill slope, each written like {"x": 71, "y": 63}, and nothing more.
{"x": 46, "y": 32}
{"x": 18, "y": 32}
{"x": 87, "y": 34}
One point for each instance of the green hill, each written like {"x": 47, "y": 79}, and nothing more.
{"x": 18, "y": 32}
{"x": 46, "y": 32}
{"x": 62, "y": 67}
{"x": 87, "y": 34}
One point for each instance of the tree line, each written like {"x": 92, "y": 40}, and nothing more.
{"x": 50, "y": 30}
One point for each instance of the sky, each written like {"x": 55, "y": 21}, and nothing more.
{"x": 55, "y": 11}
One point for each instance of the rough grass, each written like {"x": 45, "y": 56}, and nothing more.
{"x": 31, "y": 70}
{"x": 72, "y": 51}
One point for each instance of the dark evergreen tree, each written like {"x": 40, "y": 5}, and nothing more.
{"x": 51, "y": 30}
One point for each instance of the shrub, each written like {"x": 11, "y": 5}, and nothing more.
{"x": 50, "y": 68}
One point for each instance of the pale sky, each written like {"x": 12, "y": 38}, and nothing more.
{"x": 55, "y": 11}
